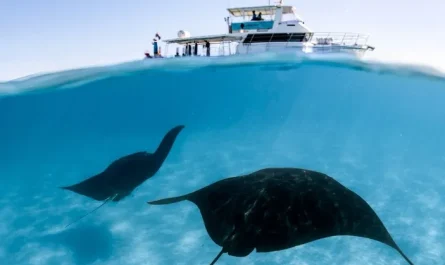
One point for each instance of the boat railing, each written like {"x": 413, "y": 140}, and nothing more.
{"x": 218, "y": 50}
{"x": 321, "y": 41}
{"x": 339, "y": 38}
{"x": 317, "y": 38}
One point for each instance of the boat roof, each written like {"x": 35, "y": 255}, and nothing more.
{"x": 202, "y": 39}
{"x": 265, "y": 10}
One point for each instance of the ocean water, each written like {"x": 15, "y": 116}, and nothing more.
{"x": 376, "y": 128}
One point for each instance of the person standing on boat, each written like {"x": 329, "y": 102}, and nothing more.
{"x": 155, "y": 45}
{"x": 254, "y": 15}
{"x": 207, "y": 48}
{"x": 186, "y": 48}
{"x": 189, "y": 49}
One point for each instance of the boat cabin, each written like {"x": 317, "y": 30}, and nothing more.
{"x": 273, "y": 18}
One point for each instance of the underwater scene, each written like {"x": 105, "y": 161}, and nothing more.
{"x": 252, "y": 160}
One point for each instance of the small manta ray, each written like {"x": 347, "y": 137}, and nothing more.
{"x": 125, "y": 174}
{"x": 279, "y": 208}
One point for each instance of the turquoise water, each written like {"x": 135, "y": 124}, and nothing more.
{"x": 378, "y": 129}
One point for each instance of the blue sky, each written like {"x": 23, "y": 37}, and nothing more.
{"x": 49, "y": 35}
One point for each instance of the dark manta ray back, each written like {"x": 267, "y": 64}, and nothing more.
{"x": 278, "y": 208}
{"x": 125, "y": 174}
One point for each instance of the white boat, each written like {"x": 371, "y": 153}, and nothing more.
{"x": 279, "y": 29}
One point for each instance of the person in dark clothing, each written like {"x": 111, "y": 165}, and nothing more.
{"x": 196, "y": 49}
{"x": 241, "y": 28}
{"x": 155, "y": 47}
{"x": 254, "y": 15}
{"x": 207, "y": 48}
{"x": 187, "y": 49}
{"x": 260, "y": 16}
{"x": 156, "y": 51}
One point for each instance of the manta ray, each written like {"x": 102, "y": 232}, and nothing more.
{"x": 279, "y": 208}
{"x": 125, "y": 174}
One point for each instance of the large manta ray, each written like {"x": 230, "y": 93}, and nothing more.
{"x": 279, "y": 208}
{"x": 125, "y": 174}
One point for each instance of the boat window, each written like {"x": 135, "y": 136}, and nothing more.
{"x": 297, "y": 37}
{"x": 291, "y": 18}
{"x": 252, "y": 25}
{"x": 261, "y": 38}
{"x": 277, "y": 37}
{"x": 245, "y": 16}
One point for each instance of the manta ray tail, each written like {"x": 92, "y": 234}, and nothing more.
{"x": 169, "y": 200}
{"x": 404, "y": 256}
{"x": 224, "y": 249}
{"x": 95, "y": 209}
{"x": 217, "y": 257}
{"x": 390, "y": 242}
